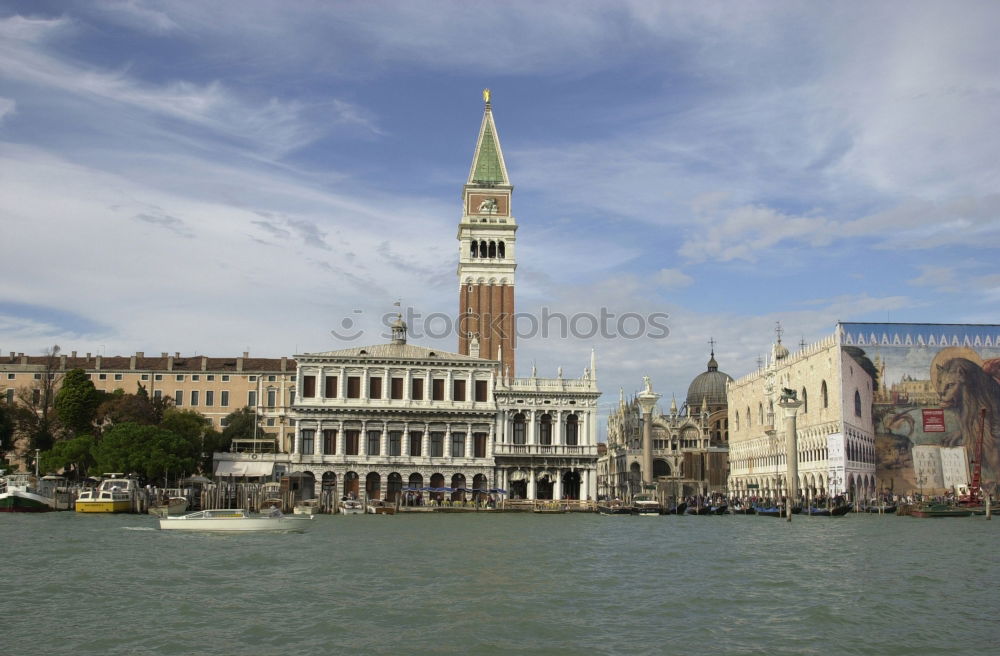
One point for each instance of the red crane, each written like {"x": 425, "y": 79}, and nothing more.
{"x": 975, "y": 488}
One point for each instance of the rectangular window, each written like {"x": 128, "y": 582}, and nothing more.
{"x": 194, "y": 397}
{"x": 270, "y": 421}
{"x": 195, "y": 377}
{"x": 354, "y": 387}
{"x": 437, "y": 445}
{"x": 397, "y": 388}
{"x": 223, "y": 422}
{"x": 374, "y": 388}
{"x": 437, "y": 389}
{"x": 374, "y": 437}
{"x": 252, "y": 379}
{"x": 224, "y": 400}
{"x": 178, "y": 397}
{"x": 272, "y": 397}
{"x": 39, "y": 376}
{"x": 479, "y": 445}
{"x": 252, "y": 398}
{"x": 309, "y": 386}
{"x": 10, "y": 376}
{"x": 179, "y": 378}
{"x": 209, "y": 397}
{"x": 329, "y": 441}
{"x": 270, "y": 379}
{"x": 118, "y": 376}
{"x": 157, "y": 394}
{"x": 458, "y": 390}
{"x": 395, "y": 443}
{"x": 102, "y": 376}
{"x": 307, "y": 441}
{"x": 144, "y": 377}
{"x": 417, "y": 389}
{"x": 458, "y": 445}
{"x": 416, "y": 438}
{"x": 157, "y": 376}
{"x": 225, "y": 378}
{"x": 480, "y": 391}
{"x": 352, "y": 437}
{"x": 331, "y": 387}
{"x": 210, "y": 377}
{"x": 291, "y": 396}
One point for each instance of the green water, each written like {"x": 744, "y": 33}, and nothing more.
{"x": 478, "y": 584}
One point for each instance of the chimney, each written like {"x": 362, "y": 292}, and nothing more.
{"x": 88, "y": 357}
{"x": 284, "y": 363}
{"x": 239, "y": 362}
{"x": 62, "y": 362}
{"x": 177, "y": 354}
{"x": 140, "y": 354}
{"x": 73, "y": 355}
{"x": 131, "y": 363}
{"x": 204, "y": 363}
{"x": 12, "y": 356}
{"x": 170, "y": 363}
{"x": 24, "y": 358}
{"x": 163, "y": 354}
{"x": 98, "y": 365}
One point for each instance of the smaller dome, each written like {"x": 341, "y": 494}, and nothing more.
{"x": 708, "y": 388}
{"x": 780, "y": 351}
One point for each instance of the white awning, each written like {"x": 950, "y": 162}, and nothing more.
{"x": 243, "y": 468}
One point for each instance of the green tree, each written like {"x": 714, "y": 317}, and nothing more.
{"x": 76, "y": 402}
{"x": 137, "y": 408}
{"x": 6, "y": 427}
{"x": 74, "y": 455}
{"x": 239, "y": 426}
{"x": 196, "y": 429}
{"x": 151, "y": 451}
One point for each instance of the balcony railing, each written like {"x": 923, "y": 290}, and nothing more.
{"x": 543, "y": 450}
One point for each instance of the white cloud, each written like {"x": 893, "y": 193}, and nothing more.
{"x": 672, "y": 278}
{"x": 7, "y": 108}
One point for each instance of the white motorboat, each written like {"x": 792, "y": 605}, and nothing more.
{"x": 645, "y": 506}
{"x": 115, "y": 494}
{"x": 174, "y": 505}
{"x": 351, "y": 507}
{"x": 235, "y": 519}
{"x": 20, "y": 493}
{"x": 307, "y": 507}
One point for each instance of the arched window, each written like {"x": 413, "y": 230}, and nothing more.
{"x": 519, "y": 429}
{"x": 482, "y": 249}
{"x": 760, "y": 413}
{"x": 857, "y": 403}
{"x": 545, "y": 429}
{"x": 501, "y": 251}
{"x": 805, "y": 401}
{"x": 823, "y": 394}
{"x": 474, "y": 251}
{"x": 572, "y": 426}
{"x": 493, "y": 249}
{"x": 749, "y": 424}
{"x": 737, "y": 418}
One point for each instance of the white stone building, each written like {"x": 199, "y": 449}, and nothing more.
{"x": 836, "y": 439}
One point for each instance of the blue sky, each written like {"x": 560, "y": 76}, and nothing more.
{"x": 208, "y": 177}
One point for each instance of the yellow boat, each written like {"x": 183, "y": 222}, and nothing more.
{"x": 113, "y": 495}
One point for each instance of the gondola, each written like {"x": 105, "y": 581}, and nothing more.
{"x": 674, "y": 510}
{"x": 743, "y": 510}
{"x": 888, "y": 510}
{"x": 771, "y": 511}
{"x": 836, "y": 511}
{"x": 720, "y": 510}
{"x": 699, "y": 510}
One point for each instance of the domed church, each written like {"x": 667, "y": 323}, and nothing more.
{"x": 688, "y": 448}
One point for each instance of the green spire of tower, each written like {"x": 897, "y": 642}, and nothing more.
{"x": 488, "y": 167}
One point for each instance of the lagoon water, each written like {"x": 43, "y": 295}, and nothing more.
{"x": 500, "y": 584}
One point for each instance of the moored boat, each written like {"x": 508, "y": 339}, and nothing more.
{"x": 836, "y": 511}
{"x": 175, "y": 505}
{"x": 307, "y": 507}
{"x": 645, "y": 506}
{"x": 114, "y": 495}
{"x": 19, "y": 493}
{"x": 935, "y": 510}
{"x": 234, "y": 520}
{"x": 351, "y": 507}
{"x": 613, "y": 509}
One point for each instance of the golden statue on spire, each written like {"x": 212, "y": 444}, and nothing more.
{"x": 486, "y": 96}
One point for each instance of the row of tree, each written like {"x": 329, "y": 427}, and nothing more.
{"x": 82, "y": 431}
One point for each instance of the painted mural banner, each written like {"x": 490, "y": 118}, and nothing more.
{"x": 933, "y": 382}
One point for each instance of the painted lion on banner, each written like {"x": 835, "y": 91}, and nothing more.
{"x": 966, "y": 388}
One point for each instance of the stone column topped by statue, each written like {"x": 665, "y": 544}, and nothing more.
{"x": 647, "y": 401}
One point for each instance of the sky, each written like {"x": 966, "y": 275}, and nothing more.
{"x": 212, "y": 178}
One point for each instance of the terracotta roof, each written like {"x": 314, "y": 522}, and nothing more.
{"x": 182, "y": 364}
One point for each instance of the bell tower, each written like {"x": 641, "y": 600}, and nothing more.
{"x": 486, "y": 260}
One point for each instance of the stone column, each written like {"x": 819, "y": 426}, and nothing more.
{"x": 531, "y": 484}
{"x": 425, "y": 444}
{"x": 557, "y": 487}
{"x": 469, "y": 441}
{"x": 318, "y": 439}
{"x": 297, "y": 447}
{"x": 530, "y": 418}
{"x": 342, "y": 384}
{"x": 321, "y": 384}
{"x": 363, "y": 439}
{"x": 384, "y": 439}
{"x": 558, "y": 439}
{"x": 647, "y": 400}
{"x": 791, "y": 407}
{"x": 341, "y": 439}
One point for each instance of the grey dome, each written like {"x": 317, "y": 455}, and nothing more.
{"x": 709, "y": 386}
